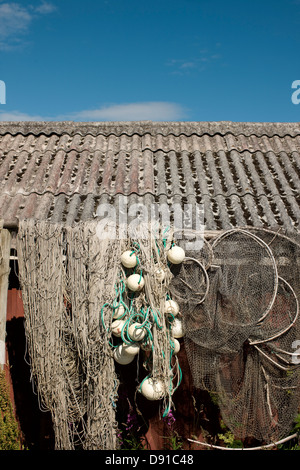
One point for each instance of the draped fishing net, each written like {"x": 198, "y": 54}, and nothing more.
{"x": 241, "y": 341}
{"x": 238, "y": 301}
{"x": 65, "y": 275}
{"x": 73, "y": 285}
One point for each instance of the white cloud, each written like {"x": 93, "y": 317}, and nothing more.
{"x": 141, "y": 111}
{"x": 45, "y": 8}
{"x": 19, "y": 116}
{"x": 145, "y": 111}
{"x": 15, "y": 21}
{"x": 186, "y": 66}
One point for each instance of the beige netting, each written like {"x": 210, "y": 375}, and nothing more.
{"x": 240, "y": 341}
{"x": 73, "y": 282}
{"x": 65, "y": 276}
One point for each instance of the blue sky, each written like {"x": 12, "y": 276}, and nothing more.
{"x": 167, "y": 60}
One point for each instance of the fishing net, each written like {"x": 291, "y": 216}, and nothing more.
{"x": 240, "y": 341}
{"x": 237, "y": 297}
{"x": 65, "y": 275}
{"x": 73, "y": 285}
{"x": 190, "y": 282}
{"x": 189, "y": 285}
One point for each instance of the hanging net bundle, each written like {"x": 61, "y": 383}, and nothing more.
{"x": 85, "y": 311}
{"x": 65, "y": 276}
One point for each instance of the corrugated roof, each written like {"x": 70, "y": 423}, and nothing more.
{"x": 242, "y": 173}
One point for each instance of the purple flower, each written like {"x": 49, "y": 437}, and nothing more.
{"x": 120, "y": 438}
{"x": 169, "y": 419}
{"x": 132, "y": 420}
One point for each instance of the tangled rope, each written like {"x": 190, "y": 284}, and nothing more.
{"x": 75, "y": 290}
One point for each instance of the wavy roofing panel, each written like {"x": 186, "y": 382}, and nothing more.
{"x": 241, "y": 173}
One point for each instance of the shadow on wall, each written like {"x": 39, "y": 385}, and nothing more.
{"x": 36, "y": 425}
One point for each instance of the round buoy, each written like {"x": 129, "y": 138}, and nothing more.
{"x": 177, "y": 328}
{"x": 121, "y": 357}
{"x": 116, "y": 327}
{"x": 135, "y": 282}
{"x": 176, "y": 254}
{"x": 136, "y": 332}
{"x": 176, "y": 346}
{"x": 119, "y": 312}
{"x": 128, "y": 259}
{"x": 131, "y": 349}
{"x": 171, "y": 307}
{"x": 152, "y": 389}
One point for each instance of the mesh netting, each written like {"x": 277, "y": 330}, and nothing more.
{"x": 238, "y": 299}
{"x": 73, "y": 284}
{"x": 195, "y": 245}
{"x": 65, "y": 275}
{"x": 248, "y": 280}
{"x": 240, "y": 341}
{"x": 189, "y": 285}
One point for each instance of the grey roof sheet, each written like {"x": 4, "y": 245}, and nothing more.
{"x": 242, "y": 173}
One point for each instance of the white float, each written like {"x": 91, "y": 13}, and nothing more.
{"x": 121, "y": 357}
{"x": 176, "y": 254}
{"x": 171, "y": 307}
{"x": 136, "y": 332}
{"x": 135, "y": 282}
{"x": 128, "y": 259}
{"x": 131, "y": 349}
{"x": 119, "y": 312}
{"x": 152, "y": 389}
{"x": 116, "y": 327}
{"x": 176, "y": 346}
{"x": 177, "y": 328}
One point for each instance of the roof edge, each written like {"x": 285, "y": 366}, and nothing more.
{"x": 150, "y": 127}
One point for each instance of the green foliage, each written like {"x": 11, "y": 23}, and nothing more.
{"x": 9, "y": 430}
{"x": 214, "y": 398}
{"x": 297, "y": 424}
{"x": 132, "y": 443}
{"x": 173, "y": 442}
{"x": 230, "y": 441}
{"x": 291, "y": 445}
